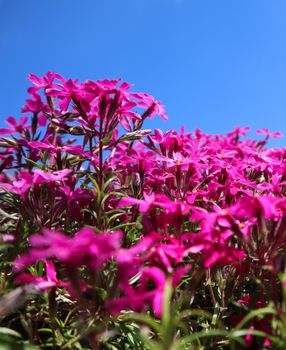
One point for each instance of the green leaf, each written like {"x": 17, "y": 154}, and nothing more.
{"x": 146, "y": 319}
{"x": 194, "y": 337}
{"x": 9, "y": 331}
{"x": 255, "y": 313}
{"x": 168, "y": 291}
{"x": 258, "y": 333}
{"x": 45, "y": 330}
{"x": 194, "y": 312}
{"x": 107, "y": 183}
{"x": 107, "y": 138}
{"x": 34, "y": 163}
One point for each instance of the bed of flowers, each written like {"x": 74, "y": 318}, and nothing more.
{"x": 117, "y": 237}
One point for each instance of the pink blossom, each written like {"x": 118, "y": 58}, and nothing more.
{"x": 46, "y": 81}
{"x": 41, "y": 176}
{"x": 139, "y": 298}
{"x": 43, "y": 283}
{"x": 265, "y": 131}
{"x": 14, "y": 126}
{"x": 85, "y": 248}
{"x": 21, "y": 186}
{"x": 149, "y": 200}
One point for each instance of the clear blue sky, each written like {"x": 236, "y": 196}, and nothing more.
{"x": 215, "y": 64}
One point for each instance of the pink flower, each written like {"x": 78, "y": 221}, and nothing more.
{"x": 167, "y": 255}
{"x": 140, "y": 298}
{"x": 43, "y": 283}
{"x": 248, "y": 207}
{"x": 75, "y": 200}
{"x": 66, "y": 93}
{"x": 46, "y": 81}
{"x": 45, "y": 145}
{"x": 21, "y": 186}
{"x": 85, "y": 248}
{"x": 177, "y": 160}
{"x": 14, "y": 126}
{"x": 265, "y": 131}
{"x": 41, "y": 176}
{"x": 160, "y": 201}
{"x": 147, "y": 101}
{"x": 35, "y": 103}
{"x": 26, "y": 181}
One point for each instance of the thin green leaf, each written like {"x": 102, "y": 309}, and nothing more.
{"x": 253, "y": 314}
{"x": 146, "y": 319}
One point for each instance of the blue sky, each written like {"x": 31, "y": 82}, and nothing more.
{"x": 215, "y": 64}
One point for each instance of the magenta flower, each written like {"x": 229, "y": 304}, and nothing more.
{"x": 177, "y": 160}
{"x": 139, "y": 298}
{"x": 75, "y": 200}
{"x": 41, "y": 176}
{"x": 267, "y": 133}
{"x": 273, "y": 186}
{"x": 43, "y": 283}
{"x": 147, "y": 101}
{"x": 167, "y": 255}
{"x": 66, "y": 93}
{"x": 26, "y": 181}
{"x": 130, "y": 260}
{"x": 21, "y": 186}
{"x": 153, "y": 200}
{"x": 54, "y": 149}
{"x": 253, "y": 207}
{"x": 47, "y": 81}
{"x": 221, "y": 254}
{"x": 14, "y": 126}
{"x": 214, "y": 250}
{"x": 101, "y": 87}
{"x": 239, "y": 131}
{"x": 85, "y": 248}
{"x": 35, "y": 103}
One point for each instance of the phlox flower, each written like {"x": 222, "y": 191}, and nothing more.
{"x": 253, "y": 207}
{"x": 267, "y": 133}
{"x": 35, "y": 105}
{"x": 140, "y": 297}
{"x": 85, "y": 248}
{"x": 47, "y": 81}
{"x": 149, "y": 200}
{"x": 43, "y": 283}
{"x": 54, "y": 149}
{"x": 41, "y": 176}
{"x": 20, "y": 186}
{"x": 15, "y": 126}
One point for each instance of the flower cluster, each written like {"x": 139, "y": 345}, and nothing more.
{"x": 111, "y": 214}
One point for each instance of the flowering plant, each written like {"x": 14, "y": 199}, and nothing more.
{"x": 118, "y": 237}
